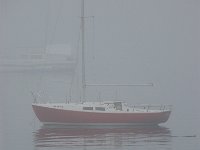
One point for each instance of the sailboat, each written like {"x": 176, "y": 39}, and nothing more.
{"x": 99, "y": 113}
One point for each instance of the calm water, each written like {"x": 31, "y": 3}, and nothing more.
{"x": 20, "y": 129}
{"x": 103, "y": 138}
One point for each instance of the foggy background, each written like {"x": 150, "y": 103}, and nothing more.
{"x": 127, "y": 42}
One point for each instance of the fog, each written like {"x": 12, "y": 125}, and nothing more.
{"x": 127, "y": 42}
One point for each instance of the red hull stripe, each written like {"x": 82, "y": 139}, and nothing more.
{"x": 52, "y": 115}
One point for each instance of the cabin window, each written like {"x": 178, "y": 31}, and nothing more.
{"x": 100, "y": 108}
{"x": 58, "y": 106}
{"x": 87, "y": 108}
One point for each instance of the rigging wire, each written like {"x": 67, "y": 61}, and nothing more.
{"x": 75, "y": 74}
{"x": 93, "y": 38}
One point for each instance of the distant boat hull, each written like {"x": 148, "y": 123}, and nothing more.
{"x": 69, "y": 117}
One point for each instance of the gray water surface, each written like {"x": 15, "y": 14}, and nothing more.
{"x": 20, "y": 129}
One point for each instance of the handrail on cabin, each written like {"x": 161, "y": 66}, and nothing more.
{"x": 150, "y": 107}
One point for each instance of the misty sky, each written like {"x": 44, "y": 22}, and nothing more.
{"x": 127, "y": 41}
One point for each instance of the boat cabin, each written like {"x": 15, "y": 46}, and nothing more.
{"x": 108, "y": 105}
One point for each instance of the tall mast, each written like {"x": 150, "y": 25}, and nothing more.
{"x": 83, "y": 49}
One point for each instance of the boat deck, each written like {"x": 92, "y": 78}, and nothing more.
{"x": 106, "y": 107}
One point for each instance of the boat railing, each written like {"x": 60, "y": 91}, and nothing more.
{"x": 147, "y": 107}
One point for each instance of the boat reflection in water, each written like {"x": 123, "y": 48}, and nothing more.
{"x": 149, "y": 137}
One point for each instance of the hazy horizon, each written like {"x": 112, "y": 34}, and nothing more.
{"x": 127, "y": 42}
